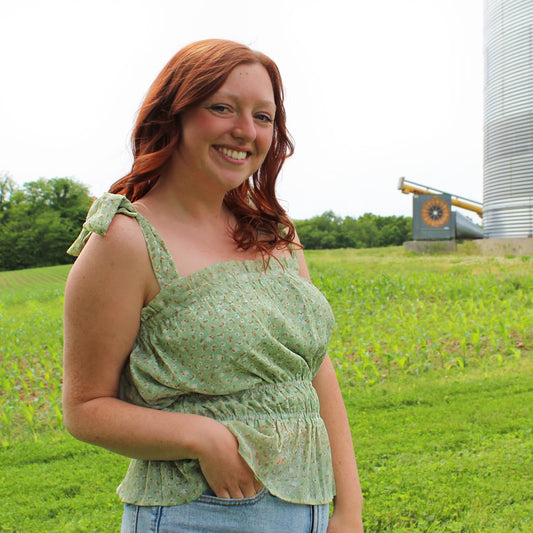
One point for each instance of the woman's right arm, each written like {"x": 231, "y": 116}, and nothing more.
{"x": 108, "y": 286}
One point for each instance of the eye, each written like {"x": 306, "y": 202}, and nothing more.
{"x": 263, "y": 117}
{"x": 219, "y": 108}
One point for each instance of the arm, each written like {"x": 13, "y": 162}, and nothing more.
{"x": 348, "y": 503}
{"x": 109, "y": 283}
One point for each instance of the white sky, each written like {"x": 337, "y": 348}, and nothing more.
{"x": 375, "y": 90}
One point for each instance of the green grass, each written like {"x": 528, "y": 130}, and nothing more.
{"x": 450, "y": 454}
{"x": 434, "y": 358}
{"x": 56, "y": 484}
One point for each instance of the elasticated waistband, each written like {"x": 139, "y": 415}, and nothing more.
{"x": 269, "y": 400}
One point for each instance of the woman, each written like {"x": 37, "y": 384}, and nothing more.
{"x": 194, "y": 341}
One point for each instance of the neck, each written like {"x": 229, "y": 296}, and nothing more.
{"x": 190, "y": 199}
{"x": 176, "y": 206}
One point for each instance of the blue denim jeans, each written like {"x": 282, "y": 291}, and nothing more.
{"x": 262, "y": 513}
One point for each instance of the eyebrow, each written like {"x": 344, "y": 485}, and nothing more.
{"x": 235, "y": 98}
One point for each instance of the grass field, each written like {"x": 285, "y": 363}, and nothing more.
{"x": 434, "y": 356}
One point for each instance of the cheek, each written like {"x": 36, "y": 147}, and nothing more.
{"x": 206, "y": 122}
{"x": 205, "y": 126}
{"x": 266, "y": 141}
{"x": 263, "y": 143}
{"x": 201, "y": 126}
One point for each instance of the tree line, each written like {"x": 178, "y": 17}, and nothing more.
{"x": 40, "y": 219}
{"x": 328, "y": 231}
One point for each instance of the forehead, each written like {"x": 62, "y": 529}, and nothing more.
{"x": 249, "y": 82}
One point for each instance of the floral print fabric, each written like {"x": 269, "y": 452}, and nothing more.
{"x": 236, "y": 342}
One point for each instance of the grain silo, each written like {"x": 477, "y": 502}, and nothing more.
{"x": 508, "y": 158}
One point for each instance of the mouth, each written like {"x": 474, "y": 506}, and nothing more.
{"x": 237, "y": 155}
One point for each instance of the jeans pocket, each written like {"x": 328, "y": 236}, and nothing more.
{"x": 209, "y": 497}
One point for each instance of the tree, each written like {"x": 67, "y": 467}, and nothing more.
{"x": 331, "y": 231}
{"x": 40, "y": 221}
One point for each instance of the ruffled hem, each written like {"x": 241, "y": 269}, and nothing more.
{"x": 291, "y": 458}
{"x": 297, "y": 467}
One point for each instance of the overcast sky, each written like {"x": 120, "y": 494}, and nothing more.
{"x": 375, "y": 90}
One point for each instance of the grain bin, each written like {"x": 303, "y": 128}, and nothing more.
{"x": 508, "y": 158}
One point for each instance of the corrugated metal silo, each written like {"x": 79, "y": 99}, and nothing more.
{"x": 508, "y": 161}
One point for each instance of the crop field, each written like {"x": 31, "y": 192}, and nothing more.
{"x": 31, "y": 307}
{"x": 397, "y": 314}
{"x": 434, "y": 357}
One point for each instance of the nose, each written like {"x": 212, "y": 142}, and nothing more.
{"x": 244, "y": 128}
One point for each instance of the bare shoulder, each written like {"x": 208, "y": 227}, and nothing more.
{"x": 123, "y": 236}
{"x": 116, "y": 263}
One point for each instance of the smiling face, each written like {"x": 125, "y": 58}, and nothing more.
{"x": 225, "y": 139}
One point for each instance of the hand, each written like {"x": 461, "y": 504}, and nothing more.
{"x": 224, "y": 469}
{"x": 342, "y": 524}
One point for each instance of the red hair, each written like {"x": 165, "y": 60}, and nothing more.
{"x": 195, "y": 73}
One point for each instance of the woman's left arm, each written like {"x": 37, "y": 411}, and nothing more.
{"x": 348, "y": 503}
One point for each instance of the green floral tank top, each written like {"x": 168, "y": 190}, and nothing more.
{"x": 236, "y": 342}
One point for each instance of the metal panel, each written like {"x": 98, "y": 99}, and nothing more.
{"x": 508, "y": 159}
{"x": 432, "y": 222}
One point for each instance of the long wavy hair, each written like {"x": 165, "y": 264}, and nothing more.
{"x": 195, "y": 73}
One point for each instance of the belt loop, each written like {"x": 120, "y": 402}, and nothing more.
{"x": 313, "y": 519}
{"x": 319, "y": 518}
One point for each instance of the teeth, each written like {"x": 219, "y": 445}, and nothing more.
{"x": 232, "y": 153}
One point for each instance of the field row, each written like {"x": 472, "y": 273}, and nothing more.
{"x": 33, "y": 277}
